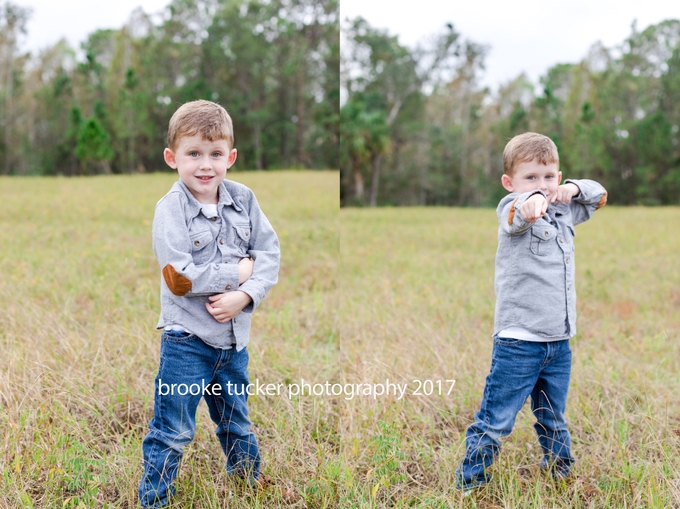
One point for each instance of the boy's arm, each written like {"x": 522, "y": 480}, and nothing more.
{"x": 172, "y": 245}
{"x": 592, "y": 196}
{"x": 265, "y": 250}
{"x": 510, "y": 211}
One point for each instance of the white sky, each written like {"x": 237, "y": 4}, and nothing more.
{"x": 523, "y": 35}
{"x": 76, "y": 19}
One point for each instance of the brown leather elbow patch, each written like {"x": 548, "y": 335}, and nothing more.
{"x": 511, "y": 215}
{"x": 177, "y": 283}
{"x": 602, "y": 202}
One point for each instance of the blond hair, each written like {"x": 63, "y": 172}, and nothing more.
{"x": 206, "y": 118}
{"x": 528, "y": 147}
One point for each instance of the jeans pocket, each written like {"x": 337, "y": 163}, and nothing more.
{"x": 178, "y": 336}
{"x": 507, "y": 341}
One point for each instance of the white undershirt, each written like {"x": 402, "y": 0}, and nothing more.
{"x": 525, "y": 335}
{"x": 209, "y": 210}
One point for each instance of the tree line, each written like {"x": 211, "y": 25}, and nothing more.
{"x": 273, "y": 64}
{"x": 417, "y": 128}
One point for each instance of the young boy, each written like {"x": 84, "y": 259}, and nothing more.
{"x": 535, "y": 307}
{"x": 218, "y": 256}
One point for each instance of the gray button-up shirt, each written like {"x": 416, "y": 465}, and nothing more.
{"x": 534, "y": 281}
{"x": 199, "y": 257}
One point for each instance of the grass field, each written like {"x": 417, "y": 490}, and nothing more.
{"x": 418, "y": 286}
{"x": 363, "y": 296}
{"x": 79, "y": 300}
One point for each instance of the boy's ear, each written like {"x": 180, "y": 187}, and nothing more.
{"x": 559, "y": 178}
{"x": 169, "y": 157}
{"x": 507, "y": 183}
{"x": 232, "y": 158}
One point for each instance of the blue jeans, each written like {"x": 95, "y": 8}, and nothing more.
{"x": 189, "y": 370}
{"x": 520, "y": 369}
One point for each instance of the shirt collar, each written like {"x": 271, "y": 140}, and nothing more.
{"x": 225, "y": 199}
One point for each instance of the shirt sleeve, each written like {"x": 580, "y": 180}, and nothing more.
{"x": 592, "y": 196}
{"x": 509, "y": 215}
{"x": 173, "y": 248}
{"x": 265, "y": 251}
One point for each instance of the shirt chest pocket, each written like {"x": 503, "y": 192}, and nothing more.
{"x": 202, "y": 246}
{"x": 543, "y": 240}
{"x": 241, "y": 234}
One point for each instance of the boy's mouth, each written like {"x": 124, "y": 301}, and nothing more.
{"x": 205, "y": 178}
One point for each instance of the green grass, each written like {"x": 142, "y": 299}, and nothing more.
{"x": 363, "y": 296}
{"x": 418, "y": 284}
{"x": 79, "y": 300}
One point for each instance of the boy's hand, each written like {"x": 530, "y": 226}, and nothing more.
{"x": 225, "y": 306}
{"x": 534, "y": 207}
{"x": 565, "y": 193}
{"x": 245, "y": 270}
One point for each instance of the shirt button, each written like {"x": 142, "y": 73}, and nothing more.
{"x": 221, "y": 241}
{"x": 561, "y": 240}
{"x": 197, "y": 243}
{"x": 214, "y": 218}
{"x": 567, "y": 261}
{"x": 228, "y": 287}
{"x": 545, "y": 233}
{"x": 246, "y": 233}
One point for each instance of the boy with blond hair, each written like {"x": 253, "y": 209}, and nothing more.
{"x": 535, "y": 307}
{"x": 218, "y": 256}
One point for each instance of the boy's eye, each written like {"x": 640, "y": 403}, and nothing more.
{"x": 217, "y": 154}
{"x": 193, "y": 153}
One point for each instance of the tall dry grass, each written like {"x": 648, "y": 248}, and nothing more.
{"x": 364, "y": 296}
{"x": 79, "y": 298}
{"x": 418, "y": 286}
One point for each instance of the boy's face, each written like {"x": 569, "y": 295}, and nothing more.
{"x": 530, "y": 176}
{"x": 201, "y": 164}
